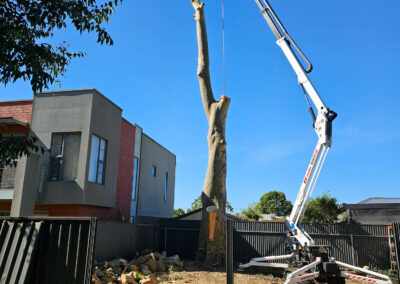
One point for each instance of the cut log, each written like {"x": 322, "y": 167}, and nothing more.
{"x": 127, "y": 279}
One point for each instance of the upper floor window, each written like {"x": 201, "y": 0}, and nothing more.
{"x": 154, "y": 171}
{"x": 97, "y": 160}
{"x": 135, "y": 179}
{"x": 165, "y": 187}
{"x": 64, "y": 156}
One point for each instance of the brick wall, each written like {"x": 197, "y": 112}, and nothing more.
{"x": 17, "y": 109}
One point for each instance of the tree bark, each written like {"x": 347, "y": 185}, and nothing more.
{"x": 214, "y": 188}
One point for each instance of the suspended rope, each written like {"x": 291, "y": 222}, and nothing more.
{"x": 223, "y": 47}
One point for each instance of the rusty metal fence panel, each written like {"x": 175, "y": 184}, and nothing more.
{"x": 46, "y": 250}
{"x": 351, "y": 243}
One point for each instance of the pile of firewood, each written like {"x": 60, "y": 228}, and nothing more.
{"x": 140, "y": 270}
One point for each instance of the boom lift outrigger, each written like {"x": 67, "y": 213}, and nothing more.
{"x": 312, "y": 261}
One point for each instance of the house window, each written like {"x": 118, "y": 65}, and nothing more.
{"x": 64, "y": 156}
{"x": 135, "y": 180}
{"x": 153, "y": 171}
{"x": 165, "y": 187}
{"x": 97, "y": 165}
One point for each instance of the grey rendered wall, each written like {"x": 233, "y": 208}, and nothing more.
{"x": 151, "y": 189}
{"x": 105, "y": 123}
{"x": 87, "y": 112}
{"x": 27, "y": 178}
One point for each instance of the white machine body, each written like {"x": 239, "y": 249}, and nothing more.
{"x": 319, "y": 265}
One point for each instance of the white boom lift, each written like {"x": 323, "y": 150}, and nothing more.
{"x": 312, "y": 261}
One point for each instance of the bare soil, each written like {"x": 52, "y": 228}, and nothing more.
{"x": 215, "y": 277}
{"x": 195, "y": 274}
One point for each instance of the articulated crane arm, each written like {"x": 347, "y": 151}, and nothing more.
{"x": 312, "y": 261}
{"x": 322, "y": 123}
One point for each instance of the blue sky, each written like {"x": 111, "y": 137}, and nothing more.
{"x": 151, "y": 73}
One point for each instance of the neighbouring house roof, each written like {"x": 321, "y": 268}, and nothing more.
{"x": 380, "y": 200}
{"x": 9, "y": 121}
{"x": 375, "y": 203}
{"x": 196, "y": 215}
{"x": 375, "y": 211}
{"x": 372, "y": 206}
{"x": 271, "y": 217}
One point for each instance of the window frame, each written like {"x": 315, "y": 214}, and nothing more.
{"x": 98, "y": 162}
{"x": 135, "y": 181}
{"x": 166, "y": 187}
{"x": 153, "y": 171}
{"x": 61, "y": 156}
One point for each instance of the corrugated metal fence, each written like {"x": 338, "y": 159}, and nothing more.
{"x": 46, "y": 250}
{"x": 351, "y": 243}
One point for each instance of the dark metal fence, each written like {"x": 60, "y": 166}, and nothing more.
{"x": 179, "y": 237}
{"x": 46, "y": 250}
{"x": 351, "y": 243}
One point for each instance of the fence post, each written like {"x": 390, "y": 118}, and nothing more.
{"x": 396, "y": 229}
{"x": 229, "y": 251}
{"x": 165, "y": 238}
{"x": 352, "y": 249}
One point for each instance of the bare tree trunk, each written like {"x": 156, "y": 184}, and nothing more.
{"x": 214, "y": 188}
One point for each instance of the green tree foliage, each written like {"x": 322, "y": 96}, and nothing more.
{"x": 323, "y": 209}
{"x": 13, "y": 147}
{"x": 26, "y": 25}
{"x": 274, "y": 202}
{"x": 178, "y": 212}
{"x": 251, "y": 213}
{"x": 196, "y": 204}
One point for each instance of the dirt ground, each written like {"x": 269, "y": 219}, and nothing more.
{"x": 215, "y": 277}
{"x": 196, "y": 275}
